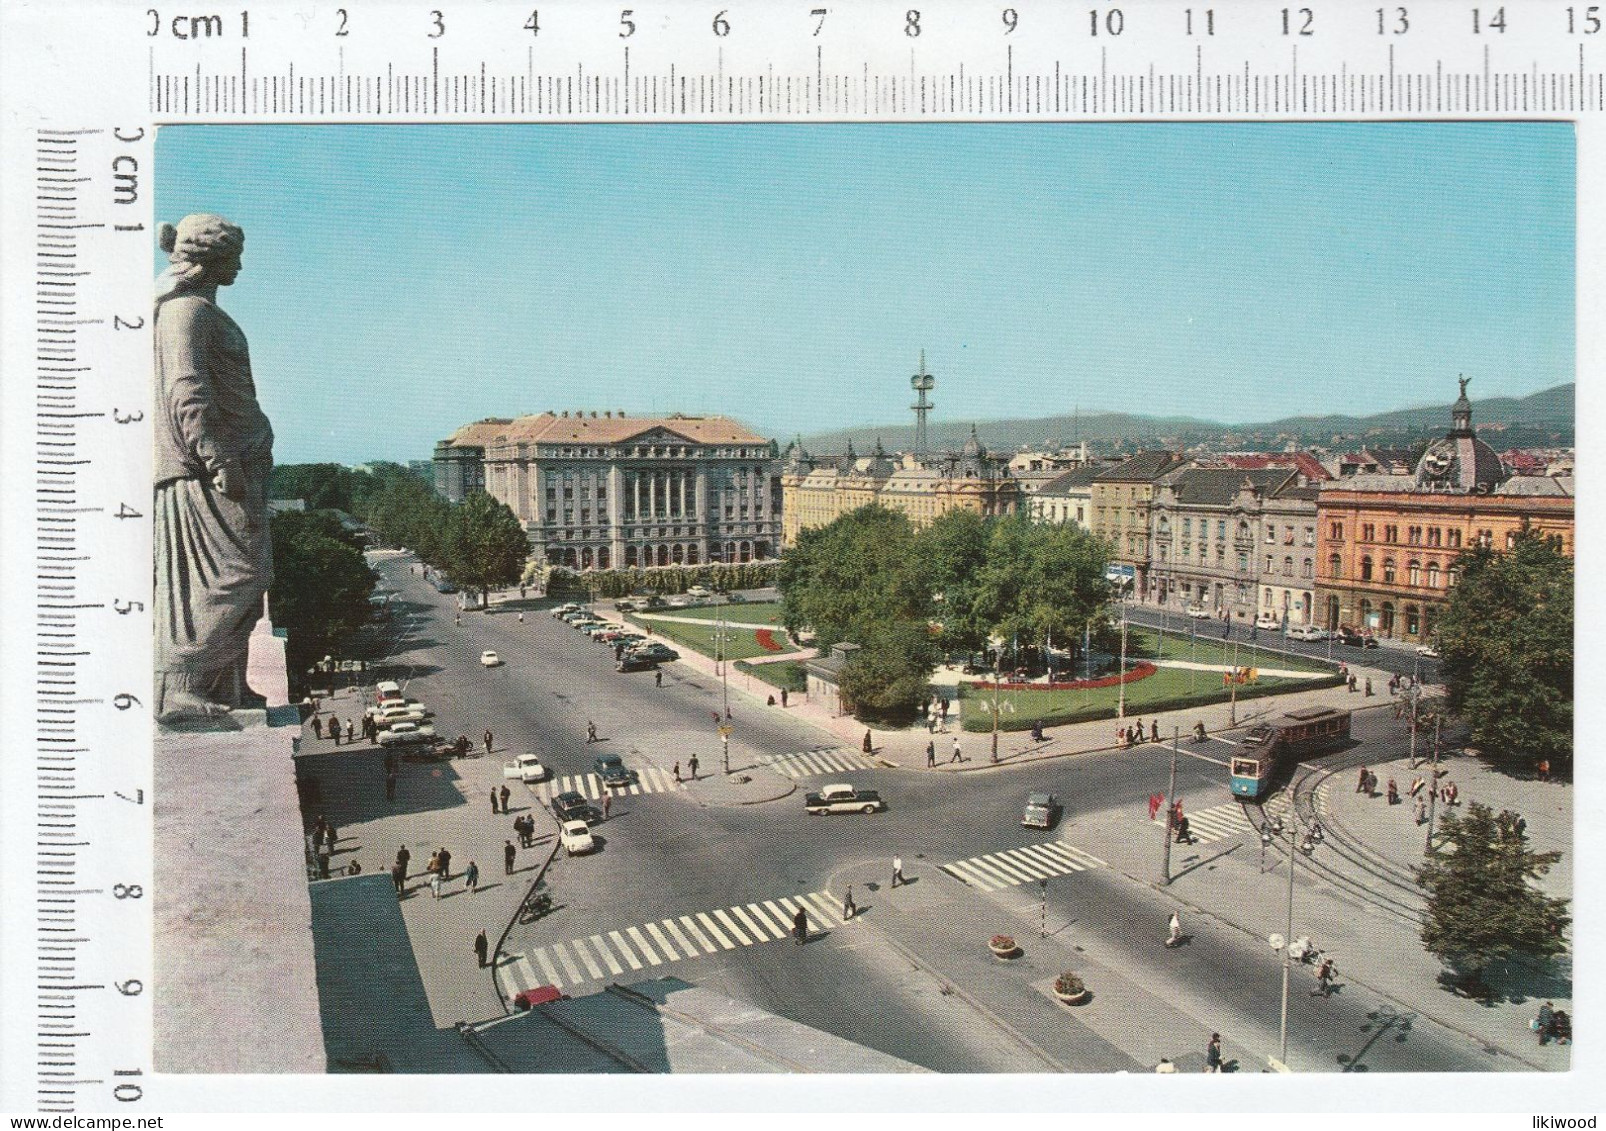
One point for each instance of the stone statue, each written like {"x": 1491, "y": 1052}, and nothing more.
{"x": 1465, "y": 381}
{"x": 214, "y": 451}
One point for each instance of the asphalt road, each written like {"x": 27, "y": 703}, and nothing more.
{"x": 663, "y": 855}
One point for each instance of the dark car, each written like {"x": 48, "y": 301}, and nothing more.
{"x": 633, "y": 663}
{"x": 1042, "y": 810}
{"x": 572, "y": 806}
{"x": 655, "y": 651}
{"x": 613, "y": 772}
{"x": 1354, "y": 638}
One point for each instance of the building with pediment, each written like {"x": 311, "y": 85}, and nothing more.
{"x": 602, "y": 491}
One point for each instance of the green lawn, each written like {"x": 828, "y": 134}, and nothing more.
{"x": 1211, "y": 649}
{"x": 1168, "y": 689}
{"x": 789, "y": 674}
{"x": 758, "y": 612}
{"x": 740, "y": 644}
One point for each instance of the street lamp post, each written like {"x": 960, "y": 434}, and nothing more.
{"x": 1120, "y": 674}
{"x": 997, "y": 660}
{"x": 1312, "y": 837}
{"x": 1232, "y": 709}
{"x": 1170, "y": 805}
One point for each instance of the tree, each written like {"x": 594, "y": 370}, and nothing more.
{"x": 953, "y": 550}
{"x": 1507, "y": 646}
{"x": 323, "y": 486}
{"x": 321, "y": 586}
{"x": 485, "y": 545}
{"x": 889, "y": 675}
{"x": 1482, "y": 908}
{"x": 1041, "y": 582}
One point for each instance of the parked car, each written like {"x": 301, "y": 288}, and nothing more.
{"x": 630, "y": 639}
{"x": 1355, "y": 638}
{"x": 575, "y": 838}
{"x": 613, "y": 772}
{"x": 394, "y": 711}
{"x": 1042, "y": 811}
{"x": 699, "y": 593}
{"x": 653, "y": 650}
{"x": 1198, "y": 612}
{"x": 388, "y": 689}
{"x": 1269, "y": 621}
{"x": 625, "y": 606}
{"x": 407, "y": 734}
{"x": 736, "y": 598}
{"x": 526, "y": 768}
{"x": 1430, "y": 650}
{"x": 840, "y": 797}
{"x": 632, "y": 663}
{"x": 572, "y": 806}
{"x": 490, "y": 659}
{"x": 564, "y": 610}
{"x": 1306, "y": 632}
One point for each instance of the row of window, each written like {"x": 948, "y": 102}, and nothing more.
{"x": 1415, "y": 572}
{"x": 1416, "y": 535}
{"x": 649, "y": 451}
{"x": 1245, "y": 531}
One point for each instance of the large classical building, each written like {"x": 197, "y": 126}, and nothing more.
{"x": 1388, "y": 543}
{"x": 1221, "y": 535}
{"x": 1120, "y": 499}
{"x": 602, "y": 491}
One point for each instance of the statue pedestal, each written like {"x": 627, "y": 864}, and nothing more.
{"x": 236, "y": 989}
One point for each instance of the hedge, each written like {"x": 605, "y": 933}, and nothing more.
{"x": 1180, "y": 703}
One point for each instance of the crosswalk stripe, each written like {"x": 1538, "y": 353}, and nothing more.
{"x": 781, "y": 916}
{"x": 547, "y": 968}
{"x": 965, "y": 872}
{"x": 568, "y": 963}
{"x": 764, "y": 920}
{"x": 702, "y": 917}
{"x": 663, "y": 943}
{"x": 522, "y": 973}
{"x": 1054, "y": 854}
{"x": 758, "y": 934}
{"x": 697, "y": 933}
{"x": 1030, "y": 862}
{"x": 1054, "y": 865}
{"x": 644, "y": 946}
{"x": 607, "y": 955}
{"x": 740, "y": 935}
{"x": 792, "y": 909}
{"x": 820, "y": 903}
{"x": 585, "y": 956}
{"x": 624, "y": 949}
{"x": 685, "y": 944}
{"x": 996, "y": 861}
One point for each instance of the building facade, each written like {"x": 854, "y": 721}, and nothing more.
{"x": 1388, "y": 543}
{"x": 1067, "y": 499}
{"x": 1120, "y": 498}
{"x": 601, "y": 492}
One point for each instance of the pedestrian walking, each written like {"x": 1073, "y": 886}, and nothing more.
{"x": 435, "y": 885}
{"x": 783, "y": 696}
{"x": 1120, "y": 738}
{"x": 1324, "y": 978}
{"x": 958, "y": 755}
{"x": 800, "y": 927}
{"x": 1155, "y": 801}
{"x": 607, "y": 805}
{"x": 457, "y": 617}
{"x": 1352, "y": 682}
{"x": 931, "y": 754}
{"x": 487, "y": 741}
{"x": 691, "y": 764}
{"x": 446, "y": 862}
{"x": 317, "y": 727}
{"x": 1542, "y": 1023}
{"x": 866, "y": 744}
{"x": 897, "y": 871}
{"x": 398, "y": 876}
{"x": 1541, "y": 767}
{"x": 329, "y": 838}
{"x": 1394, "y": 793}
{"x": 849, "y": 908}
{"x": 1176, "y": 930}
{"x": 334, "y": 729}
{"x": 521, "y": 616}
{"x": 677, "y": 771}
{"x": 323, "y": 865}
{"x": 591, "y": 732}
{"x": 494, "y": 809}
{"x": 482, "y": 947}
{"x": 1421, "y": 811}
{"x": 1199, "y": 731}
{"x": 402, "y": 858}
{"x": 1213, "y": 1053}
{"x": 1360, "y": 784}
{"x": 509, "y": 854}
{"x": 506, "y": 794}
{"x": 1183, "y": 833}
{"x": 351, "y": 733}
{"x": 1154, "y": 730}
{"x": 658, "y": 681}
{"x": 1368, "y": 686}
{"x": 471, "y": 877}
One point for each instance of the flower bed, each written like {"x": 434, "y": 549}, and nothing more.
{"x": 1140, "y": 670}
{"x": 766, "y": 640}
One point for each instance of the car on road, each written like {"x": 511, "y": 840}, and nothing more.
{"x": 1430, "y": 650}
{"x": 630, "y": 639}
{"x": 445, "y": 587}
{"x": 563, "y": 610}
{"x": 613, "y": 771}
{"x": 394, "y": 711}
{"x": 680, "y": 601}
{"x": 601, "y": 626}
{"x": 1042, "y": 811}
{"x": 569, "y": 616}
{"x": 576, "y": 838}
{"x": 490, "y": 659}
{"x": 635, "y": 664}
{"x": 1269, "y": 621}
{"x": 736, "y": 598}
{"x": 388, "y": 689}
{"x": 1198, "y": 612}
{"x": 1354, "y": 638}
{"x": 840, "y": 797}
{"x": 572, "y": 806}
{"x": 609, "y": 635}
{"x": 699, "y": 593}
{"x": 407, "y": 734}
{"x": 655, "y": 651}
{"x": 525, "y": 768}
{"x": 1306, "y": 632}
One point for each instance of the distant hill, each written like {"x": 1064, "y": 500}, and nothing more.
{"x": 1542, "y": 418}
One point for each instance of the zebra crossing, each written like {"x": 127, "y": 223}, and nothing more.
{"x": 1022, "y": 865}
{"x": 820, "y": 760}
{"x": 1215, "y": 823}
{"x": 610, "y": 954}
{"x": 649, "y": 780}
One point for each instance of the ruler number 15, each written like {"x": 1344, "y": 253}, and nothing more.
{"x": 1583, "y": 21}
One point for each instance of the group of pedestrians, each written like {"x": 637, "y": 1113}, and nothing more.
{"x": 320, "y": 728}
{"x": 1421, "y": 793}
{"x": 1132, "y": 734}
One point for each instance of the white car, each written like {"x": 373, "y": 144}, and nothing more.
{"x": 407, "y": 734}
{"x": 526, "y": 768}
{"x": 1198, "y": 612}
{"x": 575, "y": 837}
{"x": 699, "y": 593}
{"x": 1269, "y": 621}
{"x": 1306, "y": 632}
{"x": 490, "y": 659}
{"x": 393, "y": 711}
{"x": 1431, "y": 651}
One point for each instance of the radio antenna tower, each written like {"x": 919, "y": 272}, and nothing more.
{"x": 922, "y": 383}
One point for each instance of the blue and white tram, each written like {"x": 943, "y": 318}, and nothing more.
{"x": 1309, "y": 730}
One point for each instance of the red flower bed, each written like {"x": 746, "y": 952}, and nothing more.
{"x": 766, "y": 640}
{"x": 1140, "y": 670}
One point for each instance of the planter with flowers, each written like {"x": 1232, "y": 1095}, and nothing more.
{"x": 1070, "y": 989}
{"x": 1003, "y": 946}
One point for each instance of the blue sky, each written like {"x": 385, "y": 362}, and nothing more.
{"x": 402, "y": 280}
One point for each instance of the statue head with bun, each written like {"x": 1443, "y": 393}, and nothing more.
{"x": 203, "y": 253}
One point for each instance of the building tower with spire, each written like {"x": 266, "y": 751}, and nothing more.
{"x": 922, "y": 383}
